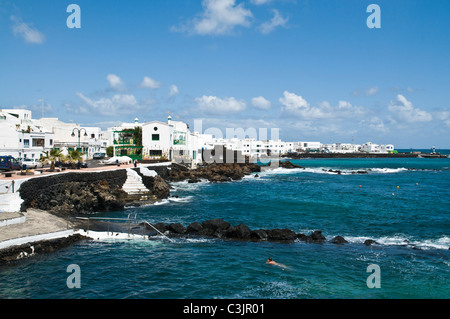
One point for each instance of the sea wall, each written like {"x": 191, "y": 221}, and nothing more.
{"x": 31, "y": 249}
{"x": 75, "y": 193}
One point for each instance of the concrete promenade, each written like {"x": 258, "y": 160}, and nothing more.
{"x": 17, "y": 228}
{"x": 31, "y": 226}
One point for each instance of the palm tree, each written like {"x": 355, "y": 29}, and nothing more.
{"x": 51, "y": 156}
{"x": 74, "y": 155}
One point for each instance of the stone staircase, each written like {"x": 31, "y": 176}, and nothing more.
{"x": 134, "y": 185}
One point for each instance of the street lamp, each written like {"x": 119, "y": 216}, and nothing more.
{"x": 79, "y": 135}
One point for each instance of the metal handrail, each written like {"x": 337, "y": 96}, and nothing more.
{"x": 125, "y": 219}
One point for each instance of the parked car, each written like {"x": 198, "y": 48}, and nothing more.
{"x": 98, "y": 156}
{"x": 30, "y": 163}
{"x": 9, "y": 163}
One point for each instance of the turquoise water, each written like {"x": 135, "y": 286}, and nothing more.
{"x": 411, "y": 224}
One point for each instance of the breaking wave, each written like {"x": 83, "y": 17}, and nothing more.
{"x": 334, "y": 171}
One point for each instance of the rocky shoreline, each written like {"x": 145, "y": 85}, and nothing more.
{"x": 74, "y": 194}
{"x": 77, "y": 194}
{"x": 215, "y": 228}
{"x": 25, "y": 251}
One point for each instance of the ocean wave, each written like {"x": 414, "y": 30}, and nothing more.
{"x": 111, "y": 236}
{"x": 333, "y": 171}
{"x": 186, "y": 186}
{"x": 388, "y": 170}
{"x": 402, "y": 240}
{"x": 161, "y": 202}
{"x": 180, "y": 199}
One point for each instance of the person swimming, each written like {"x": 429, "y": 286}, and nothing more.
{"x": 270, "y": 261}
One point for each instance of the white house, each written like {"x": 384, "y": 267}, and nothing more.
{"x": 172, "y": 140}
{"x": 370, "y": 147}
{"x": 307, "y": 146}
{"x": 157, "y": 139}
{"x": 21, "y": 137}
{"x": 340, "y": 148}
{"x": 71, "y": 136}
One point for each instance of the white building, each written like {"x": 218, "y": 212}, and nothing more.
{"x": 307, "y": 146}
{"x": 340, "y": 148}
{"x": 21, "y": 137}
{"x": 172, "y": 141}
{"x": 157, "y": 139}
{"x": 370, "y": 147}
{"x": 71, "y": 136}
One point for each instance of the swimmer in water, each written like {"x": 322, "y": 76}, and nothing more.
{"x": 270, "y": 261}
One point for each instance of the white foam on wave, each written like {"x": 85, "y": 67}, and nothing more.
{"x": 331, "y": 171}
{"x": 387, "y": 170}
{"x": 186, "y": 186}
{"x": 180, "y": 199}
{"x": 162, "y": 202}
{"x": 402, "y": 240}
{"x": 108, "y": 236}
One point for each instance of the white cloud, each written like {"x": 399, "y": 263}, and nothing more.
{"x": 277, "y": 21}
{"x": 296, "y": 105}
{"x": 150, "y": 83}
{"x": 261, "y": 103}
{"x": 219, "y": 17}
{"x": 406, "y": 112}
{"x": 173, "y": 90}
{"x": 260, "y": 2}
{"x": 27, "y": 32}
{"x": 371, "y": 91}
{"x": 376, "y": 124}
{"x": 366, "y": 92}
{"x": 115, "y": 82}
{"x": 344, "y": 108}
{"x": 215, "y": 105}
{"x": 118, "y": 104}
{"x": 42, "y": 108}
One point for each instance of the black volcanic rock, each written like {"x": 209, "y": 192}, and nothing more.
{"x": 176, "y": 228}
{"x": 216, "y": 224}
{"x": 289, "y": 165}
{"x": 338, "y": 240}
{"x": 258, "y": 234}
{"x": 194, "y": 228}
{"x": 281, "y": 235}
{"x": 317, "y": 236}
{"x": 369, "y": 242}
{"x": 241, "y": 232}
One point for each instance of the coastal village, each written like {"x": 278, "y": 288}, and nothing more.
{"x": 46, "y": 182}
{"x": 27, "y": 139}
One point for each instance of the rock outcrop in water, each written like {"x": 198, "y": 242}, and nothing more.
{"x": 214, "y": 228}
{"x": 225, "y": 172}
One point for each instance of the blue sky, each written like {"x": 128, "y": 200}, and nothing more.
{"x": 311, "y": 68}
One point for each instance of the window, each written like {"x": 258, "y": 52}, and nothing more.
{"x": 155, "y": 153}
{"x": 26, "y": 143}
{"x": 51, "y": 142}
{"x": 155, "y": 128}
{"x": 38, "y": 142}
{"x": 155, "y": 137}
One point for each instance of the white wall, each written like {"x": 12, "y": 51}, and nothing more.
{"x": 164, "y": 144}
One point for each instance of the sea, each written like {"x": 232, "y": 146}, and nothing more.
{"x": 403, "y": 204}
